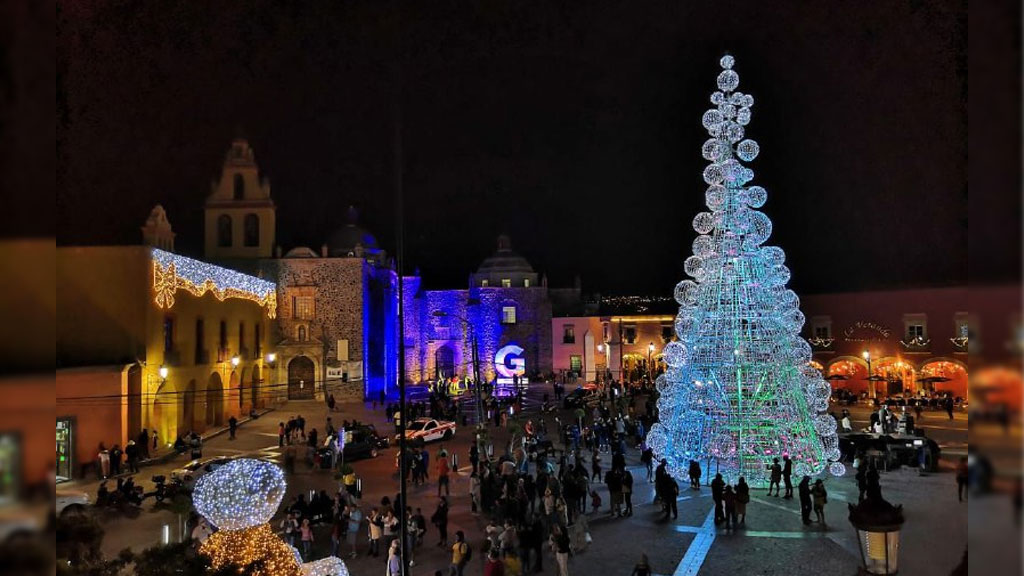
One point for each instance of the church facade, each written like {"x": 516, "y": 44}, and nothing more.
{"x": 336, "y": 329}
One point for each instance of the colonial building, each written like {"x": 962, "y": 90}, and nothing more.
{"x": 150, "y": 339}
{"x": 336, "y": 330}
{"x": 506, "y": 310}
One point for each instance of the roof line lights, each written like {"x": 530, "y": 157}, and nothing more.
{"x": 172, "y": 272}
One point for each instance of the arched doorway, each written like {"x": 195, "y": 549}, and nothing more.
{"x": 134, "y": 401}
{"x": 848, "y": 373}
{"x": 943, "y": 376}
{"x": 444, "y": 362}
{"x": 301, "y": 378}
{"x": 254, "y": 396}
{"x": 188, "y": 409}
{"x": 215, "y": 401}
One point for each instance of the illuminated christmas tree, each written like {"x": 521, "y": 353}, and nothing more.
{"x": 738, "y": 391}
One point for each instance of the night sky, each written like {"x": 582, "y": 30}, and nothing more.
{"x": 575, "y": 130}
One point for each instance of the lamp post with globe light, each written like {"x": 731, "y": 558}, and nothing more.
{"x": 878, "y": 524}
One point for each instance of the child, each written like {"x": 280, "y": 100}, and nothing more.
{"x": 595, "y": 500}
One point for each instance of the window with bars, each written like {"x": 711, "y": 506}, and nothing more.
{"x": 302, "y": 307}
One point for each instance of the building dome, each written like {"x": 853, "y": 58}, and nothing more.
{"x": 343, "y": 241}
{"x": 504, "y": 260}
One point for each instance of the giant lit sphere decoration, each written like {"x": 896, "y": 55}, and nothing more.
{"x": 240, "y": 494}
{"x": 739, "y": 393}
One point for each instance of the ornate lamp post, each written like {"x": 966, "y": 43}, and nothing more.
{"x": 877, "y": 523}
{"x": 867, "y": 357}
{"x": 650, "y": 367}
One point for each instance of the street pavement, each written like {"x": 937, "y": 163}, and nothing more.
{"x": 773, "y": 542}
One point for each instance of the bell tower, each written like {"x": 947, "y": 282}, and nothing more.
{"x": 239, "y": 214}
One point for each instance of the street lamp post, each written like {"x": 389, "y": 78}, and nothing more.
{"x": 878, "y": 525}
{"x": 650, "y": 367}
{"x": 867, "y": 356}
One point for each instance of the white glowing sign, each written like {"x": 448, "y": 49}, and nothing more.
{"x": 508, "y": 361}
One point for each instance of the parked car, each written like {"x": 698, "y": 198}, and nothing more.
{"x": 429, "y": 430}
{"x": 191, "y": 472}
{"x": 580, "y": 397}
{"x": 363, "y": 442}
{"x": 71, "y": 502}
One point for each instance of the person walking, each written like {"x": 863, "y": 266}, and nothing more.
{"x": 775, "y": 478}
{"x": 671, "y": 497}
{"x": 474, "y": 492}
{"x": 560, "y": 546}
{"x": 232, "y": 427}
{"x": 394, "y": 560}
{"x": 787, "y": 476}
{"x": 143, "y": 442}
{"x": 627, "y": 491}
{"x": 694, "y": 473}
{"x": 131, "y": 454}
{"x": 804, "y": 490}
{"x": 742, "y": 498}
{"x": 376, "y": 527}
{"x": 647, "y": 458}
{"x": 729, "y": 500}
{"x": 280, "y": 434}
{"x": 442, "y": 475}
{"x": 115, "y": 459}
{"x": 717, "y": 491}
{"x": 820, "y": 496}
{"x": 461, "y": 553}
{"x": 355, "y": 520}
{"x": 290, "y": 528}
{"x": 440, "y": 519}
{"x": 949, "y": 406}
{"x": 494, "y": 566}
{"x": 306, "y": 532}
{"x": 103, "y": 457}
{"x": 962, "y": 475}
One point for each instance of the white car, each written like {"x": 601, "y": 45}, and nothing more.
{"x": 191, "y": 472}
{"x": 428, "y": 430}
{"x": 71, "y": 501}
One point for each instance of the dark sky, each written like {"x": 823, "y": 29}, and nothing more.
{"x": 574, "y": 129}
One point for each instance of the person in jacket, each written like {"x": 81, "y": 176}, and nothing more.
{"x": 742, "y": 498}
{"x": 820, "y": 498}
{"x": 775, "y": 478}
{"x": 787, "y": 476}
{"x": 717, "y": 489}
{"x": 440, "y": 519}
{"x": 729, "y": 500}
{"x": 804, "y": 491}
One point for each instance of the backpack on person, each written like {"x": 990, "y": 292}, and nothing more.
{"x": 467, "y": 553}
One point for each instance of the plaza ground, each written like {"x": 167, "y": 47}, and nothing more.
{"x": 774, "y": 542}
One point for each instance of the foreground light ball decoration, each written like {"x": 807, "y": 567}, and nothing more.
{"x": 240, "y": 494}
{"x": 239, "y": 499}
{"x": 738, "y": 393}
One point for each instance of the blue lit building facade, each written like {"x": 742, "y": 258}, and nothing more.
{"x": 508, "y": 307}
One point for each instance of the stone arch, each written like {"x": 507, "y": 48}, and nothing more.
{"x": 215, "y": 400}
{"x": 444, "y": 361}
{"x": 945, "y": 367}
{"x": 301, "y": 378}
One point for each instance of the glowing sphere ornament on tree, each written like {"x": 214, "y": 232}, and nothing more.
{"x": 738, "y": 392}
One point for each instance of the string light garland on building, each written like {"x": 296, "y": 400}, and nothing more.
{"x": 916, "y": 342}
{"x": 739, "y": 390}
{"x": 240, "y": 498}
{"x": 172, "y": 272}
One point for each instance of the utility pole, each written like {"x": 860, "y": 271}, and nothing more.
{"x": 403, "y": 532}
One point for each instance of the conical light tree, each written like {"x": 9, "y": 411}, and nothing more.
{"x": 739, "y": 391}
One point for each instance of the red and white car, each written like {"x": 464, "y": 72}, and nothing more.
{"x": 428, "y": 430}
